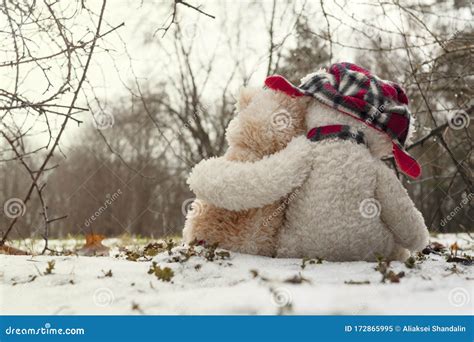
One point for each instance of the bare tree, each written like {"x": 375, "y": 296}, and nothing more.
{"x": 39, "y": 43}
{"x": 162, "y": 126}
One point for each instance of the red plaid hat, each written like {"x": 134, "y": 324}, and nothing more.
{"x": 352, "y": 90}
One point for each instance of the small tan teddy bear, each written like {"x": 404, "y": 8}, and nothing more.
{"x": 266, "y": 123}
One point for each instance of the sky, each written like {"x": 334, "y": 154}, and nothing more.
{"x": 139, "y": 51}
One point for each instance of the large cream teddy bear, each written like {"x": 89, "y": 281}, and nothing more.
{"x": 265, "y": 123}
{"x": 350, "y": 206}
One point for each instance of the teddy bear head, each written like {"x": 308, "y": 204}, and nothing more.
{"x": 266, "y": 121}
{"x": 351, "y": 95}
{"x": 319, "y": 114}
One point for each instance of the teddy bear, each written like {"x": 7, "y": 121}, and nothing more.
{"x": 265, "y": 123}
{"x": 351, "y": 206}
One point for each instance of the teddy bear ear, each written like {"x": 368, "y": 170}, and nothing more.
{"x": 245, "y": 97}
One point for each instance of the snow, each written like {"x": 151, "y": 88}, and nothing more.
{"x": 238, "y": 284}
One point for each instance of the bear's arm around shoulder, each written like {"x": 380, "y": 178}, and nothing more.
{"x": 236, "y": 185}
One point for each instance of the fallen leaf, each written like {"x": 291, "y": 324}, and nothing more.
{"x": 410, "y": 262}
{"x": 163, "y": 274}
{"x": 463, "y": 260}
{"x": 94, "y": 246}
{"x": 4, "y": 249}
{"x": 438, "y": 247}
{"x": 454, "y": 248}
{"x": 353, "y": 282}
{"x": 297, "y": 279}
{"x": 434, "y": 248}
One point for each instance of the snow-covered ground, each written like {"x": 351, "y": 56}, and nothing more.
{"x": 205, "y": 281}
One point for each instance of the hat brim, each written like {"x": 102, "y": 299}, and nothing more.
{"x": 406, "y": 163}
{"x": 281, "y": 84}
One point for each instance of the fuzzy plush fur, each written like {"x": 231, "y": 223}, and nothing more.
{"x": 266, "y": 122}
{"x": 350, "y": 206}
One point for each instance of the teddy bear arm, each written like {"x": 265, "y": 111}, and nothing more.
{"x": 237, "y": 185}
{"x": 398, "y": 211}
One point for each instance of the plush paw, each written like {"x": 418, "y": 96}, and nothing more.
{"x": 419, "y": 240}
